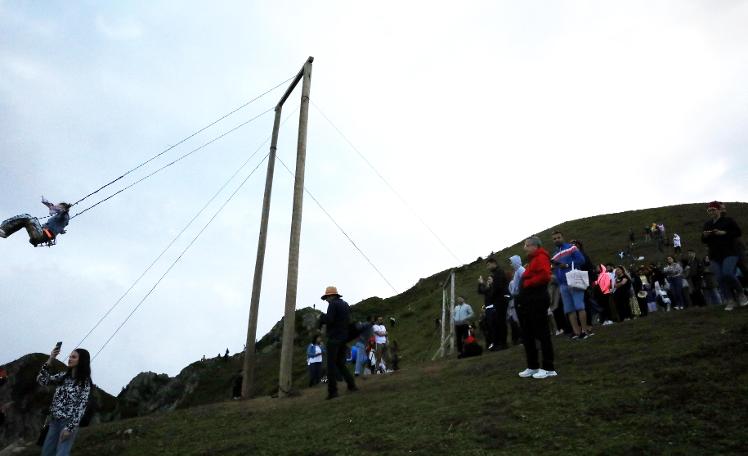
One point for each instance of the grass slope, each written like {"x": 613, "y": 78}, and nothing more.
{"x": 671, "y": 383}
{"x": 416, "y": 309}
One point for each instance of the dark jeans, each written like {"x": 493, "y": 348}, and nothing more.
{"x": 724, "y": 271}
{"x": 461, "y": 332}
{"x": 315, "y": 373}
{"x": 32, "y": 225}
{"x": 676, "y": 290}
{"x": 532, "y": 308}
{"x": 336, "y": 352}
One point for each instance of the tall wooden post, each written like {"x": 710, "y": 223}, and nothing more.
{"x": 452, "y": 312}
{"x": 286, "y": 361}
{"x": 250, "y": 357}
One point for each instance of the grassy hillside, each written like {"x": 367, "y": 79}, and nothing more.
{"x": 671, "y": 383}
{"x": 416, "y": 309}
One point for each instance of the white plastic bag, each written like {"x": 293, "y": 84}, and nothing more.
{"x": 577, "y": 279}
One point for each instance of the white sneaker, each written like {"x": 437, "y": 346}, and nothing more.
{"x": 528, "y": 373}
{"x": 541, "y": 373}
{"x": 730, "y": 306}
{"x": 607, "y": 323}
{"x": 743, "y": 299}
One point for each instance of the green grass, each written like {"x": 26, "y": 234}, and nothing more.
{"x": 674, "y": 383}
{"x": 416, "y": 308}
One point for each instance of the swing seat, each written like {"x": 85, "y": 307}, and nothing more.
{"x": 49, "y": 239}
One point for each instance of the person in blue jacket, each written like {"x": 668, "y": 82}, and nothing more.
{"x": 38, "y": 233}
{"x": 314, "y": 360}
{"x": 564, "y": 258}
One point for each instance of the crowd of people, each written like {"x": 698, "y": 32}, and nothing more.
{"x": 566, "y": 293}
{"x": 563, "y": 292}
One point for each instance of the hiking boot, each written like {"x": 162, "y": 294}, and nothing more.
{"x": 528, "y": 373}
{"x": 542, "y": 373}
{"x": 2, "y": 234}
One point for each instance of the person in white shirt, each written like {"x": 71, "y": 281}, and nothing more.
{"x": 380, "y": 338}
{"x": 463, "y": 313}
{"x": 676, "y": 244}
{"x": 314, "y": 360}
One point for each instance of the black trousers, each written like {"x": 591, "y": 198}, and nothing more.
{"x": 336, "y": 352}
{"x": 533, "y": 304}
{"x": 516, "y": 332}
{"x": 461, "y": 332}
{"x": 501, "y": 328}
{"x": 315, "y": 373}
{"x": 492, "y": 325}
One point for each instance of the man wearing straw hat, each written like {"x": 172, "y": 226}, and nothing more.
{"x": 337, "y": 319}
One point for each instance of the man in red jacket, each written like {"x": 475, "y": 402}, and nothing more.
{"x": 532, "y": 307}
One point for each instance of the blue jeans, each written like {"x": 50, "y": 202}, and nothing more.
{"x": 52, "y": 445}
{"x": 572, "y": 298}
{"x": 676, "y": 290}
{"x": 725, "y": 271}
{"x": 361, "y": 358}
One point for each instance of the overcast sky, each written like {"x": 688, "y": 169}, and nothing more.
{"x": 493, "y": 119}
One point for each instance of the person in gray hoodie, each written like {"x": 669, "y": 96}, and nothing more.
{"x": 514, "y": 286}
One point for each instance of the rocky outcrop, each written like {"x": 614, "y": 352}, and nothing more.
{"x": 149, "y": 393}
{"x": 24, "y": 403}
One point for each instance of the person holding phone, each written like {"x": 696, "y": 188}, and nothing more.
{"x": 69, "y": 402}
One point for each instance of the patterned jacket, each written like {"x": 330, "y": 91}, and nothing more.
{"x": 70, "y": 400}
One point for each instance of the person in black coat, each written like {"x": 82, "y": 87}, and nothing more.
{"x": 496, "y": 295}
{"x": 337, "y": 320}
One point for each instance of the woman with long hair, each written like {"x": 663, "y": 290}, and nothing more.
{"x": 622, "y": 293}
{"x": 69, "y": 402}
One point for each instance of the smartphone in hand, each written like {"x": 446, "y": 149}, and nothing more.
{"x": 58, "y": 345}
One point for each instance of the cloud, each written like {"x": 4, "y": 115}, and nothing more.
{"x": 118, "y": 31}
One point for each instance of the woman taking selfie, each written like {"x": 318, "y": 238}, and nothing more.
{"x": 69, "y": 402}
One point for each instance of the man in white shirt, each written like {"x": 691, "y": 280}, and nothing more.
{"x": 462, "y": 315}
{"x": 380, "y": 338}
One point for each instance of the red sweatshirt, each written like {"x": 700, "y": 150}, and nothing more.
{"x": 538, "y": 271}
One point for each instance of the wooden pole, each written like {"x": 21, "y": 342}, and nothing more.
{"x": 452, "y": 313}
{"x": 250, "y": 357}
{"x": 286, "y": 362}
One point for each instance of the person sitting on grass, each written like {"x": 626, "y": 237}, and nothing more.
{"x": 470, "y": 346}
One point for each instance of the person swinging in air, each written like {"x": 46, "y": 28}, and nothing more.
{"x": 38, "y": 233}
